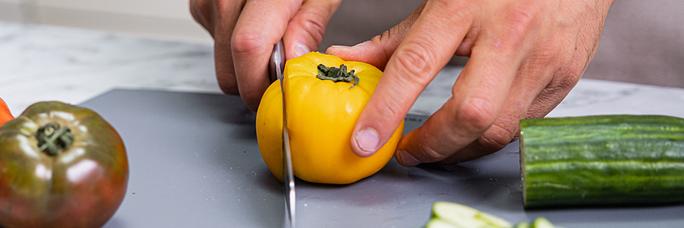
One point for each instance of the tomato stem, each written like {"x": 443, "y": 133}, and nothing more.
{"x": 337, "y": 74}
{"x": 53, "y": 138}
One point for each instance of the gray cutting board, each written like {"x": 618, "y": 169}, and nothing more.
{"x": 194, "y": 162}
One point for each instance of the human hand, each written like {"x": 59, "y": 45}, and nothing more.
{"x": 245, "y": 31}
{"x": 525, "y": 56}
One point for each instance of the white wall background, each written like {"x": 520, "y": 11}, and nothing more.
{"x": 158, "y": 18}
{"x": 641, "y": 42}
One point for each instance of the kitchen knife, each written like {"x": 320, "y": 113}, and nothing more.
{"x": 277, "y": 65}
{"x": 414, "y": 120}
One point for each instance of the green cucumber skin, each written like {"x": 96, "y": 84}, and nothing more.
{"x": 602, "y": 160}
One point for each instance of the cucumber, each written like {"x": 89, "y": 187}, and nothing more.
{"x": 541, "y": 222}
{"x": 522, "y": 225}
{"x": 438, "y": 223}
{"x": 602, "y": 160}
{"x": 462, "y": 216}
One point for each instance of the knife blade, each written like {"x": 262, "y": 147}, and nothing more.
{"x": 414, "y": 120}
{"x": 277, "y": 65}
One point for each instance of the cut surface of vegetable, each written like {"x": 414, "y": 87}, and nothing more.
{"x": 438, "y": 223}
{"x": 522, "y": 225}
{"x": 464, "y": 216}
{"x": 602, "y": 160}
{"x": 541, "y": 222}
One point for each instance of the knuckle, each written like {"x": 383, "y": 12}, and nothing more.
{"x": 458, "y": 11}
{"x": 389, "y": 107}
{"x": 380, "y": 41}
{"x": 202, "y": 13}
{"x": 415, "y": 63}
{"x": 200, "y": 4}
{"x": 225, "y": 75}
{"x": 384, "y": 36}
{"x": 247, "y": 42}
{"x": 252, "y": 96}
{"x": 520, "y": 17}
{"x": 228, "y": 87}
{"x": 452, "y": 6}
{"x": 427, "y": 154}
{"x": 545, "y": 54}
{"x": 518, "y": 22}
{"x": 496, "y": 137}
{"x": 221, "y": 5}
{"x": 226, "y": 80}
{"x": 377, "y": 39}
{"x": 313, "y": 27}
{"x": 566, "y": 77}
{"x": 542, "y": 57}
{"x": 224, "y": 9}
{"x": 476, "y": 115}
{"x": 196, "y": 6}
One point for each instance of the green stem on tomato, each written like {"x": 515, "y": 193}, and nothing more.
{"x": 53, "y": 138}
{"x": 336, "y": 74}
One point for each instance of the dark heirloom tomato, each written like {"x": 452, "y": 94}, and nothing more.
{"x": 60, "y": 166}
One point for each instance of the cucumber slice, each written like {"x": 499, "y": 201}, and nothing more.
{"x": 522, "y": 225}
{"x": 438, "y": 223}
{"x": 463, "y": 216}
{"x": 541, "y": 222}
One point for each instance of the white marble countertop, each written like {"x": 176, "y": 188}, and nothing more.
{"x": 72, "y": 65}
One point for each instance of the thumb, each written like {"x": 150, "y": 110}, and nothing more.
{"x": 378, "y": 50}
{"x": 305, "y": 30}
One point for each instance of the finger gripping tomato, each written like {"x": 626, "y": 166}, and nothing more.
{"x": 60, "y": 166}
{"x": 325, "y": 96}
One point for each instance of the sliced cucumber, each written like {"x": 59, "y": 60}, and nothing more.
{"x": 463, "y": 216}
{"x": 522, "y": 225}
{"x": 453, "y": 215}
{"x": 541, "y": 222}
{"x": 438, "y": 223}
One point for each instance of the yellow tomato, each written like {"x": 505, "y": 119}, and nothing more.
{"x": 321, "y": 117}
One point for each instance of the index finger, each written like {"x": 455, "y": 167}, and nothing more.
{"x": 429, "y": 45}
{"x": 261, "y": 24}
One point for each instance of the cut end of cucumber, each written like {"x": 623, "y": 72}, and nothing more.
{"x": 522, "y": 225}
{"x": 463, "y": 216}
{"x": 453, "y": 215}
{"x": 521, "y": 145}
{"x": 438, "y": 223}
{"x": 542, "y": 222}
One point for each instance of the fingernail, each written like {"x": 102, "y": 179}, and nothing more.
{"x": 405, "y": 158}
{"x": 300, "y": 49}
{"x": 367, "y": 140}
{"x": 362, "y": 44}
{"x": 358, "y": 46}
{"x": 334, "y": 48}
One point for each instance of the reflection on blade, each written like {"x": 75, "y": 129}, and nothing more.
{"x": 277, "y": 66}
{"x": 288, "y": 178}
{"x": 414, "y": 120}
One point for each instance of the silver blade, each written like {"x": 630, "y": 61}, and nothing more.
{"x": 277, "y": 65}
{"x": 414, "y": 120}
